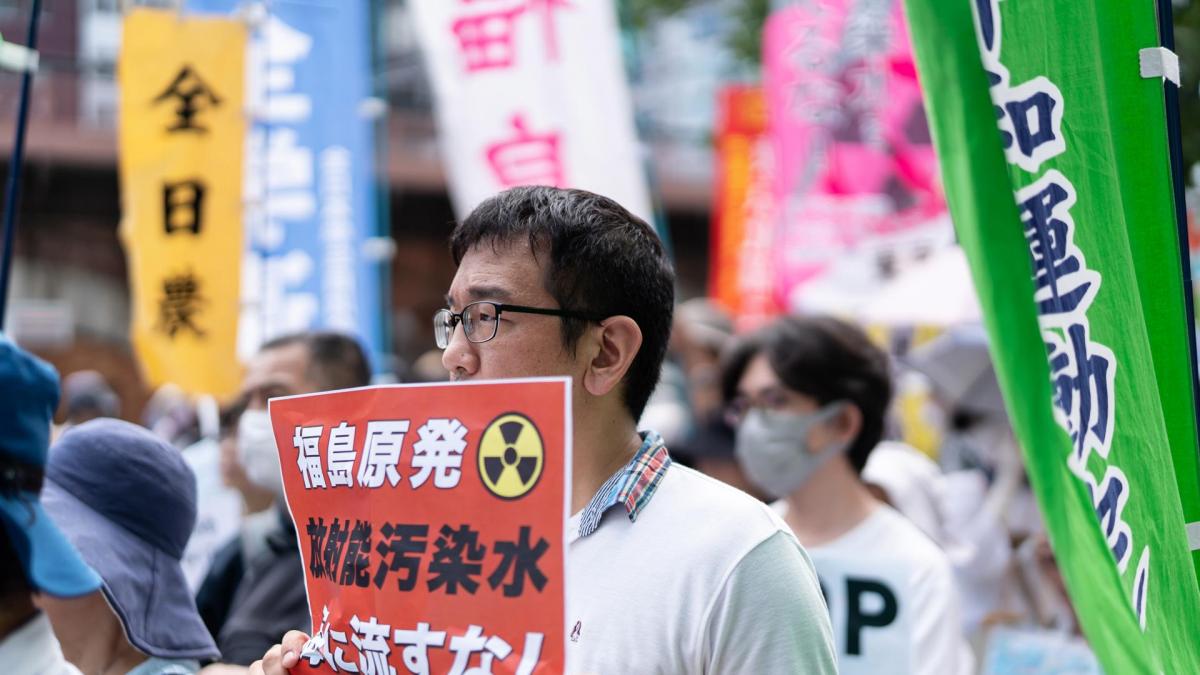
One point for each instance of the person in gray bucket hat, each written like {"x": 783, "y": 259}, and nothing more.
{"x": 127, "y": 501}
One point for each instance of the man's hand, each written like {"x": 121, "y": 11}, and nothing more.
{"x": 281, "y": 657}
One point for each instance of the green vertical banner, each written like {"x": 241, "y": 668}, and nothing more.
{"x": 1053, "y": 149}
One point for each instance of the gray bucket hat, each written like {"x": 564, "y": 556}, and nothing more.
{"x": 127, "y": 501}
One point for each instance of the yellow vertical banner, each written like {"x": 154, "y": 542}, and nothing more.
{"x": 181, "y": 132}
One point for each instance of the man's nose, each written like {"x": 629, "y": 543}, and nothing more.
{"x": 460, "y": 358}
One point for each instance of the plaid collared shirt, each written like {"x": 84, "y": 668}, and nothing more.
{"x": 632, "y": 486}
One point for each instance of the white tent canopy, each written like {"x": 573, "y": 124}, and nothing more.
{"x": 936, "y": 292}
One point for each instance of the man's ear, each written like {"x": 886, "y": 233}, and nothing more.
{"x": 618, "y": 342}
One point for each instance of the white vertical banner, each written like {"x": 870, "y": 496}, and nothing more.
{"x": 531, "y": 92}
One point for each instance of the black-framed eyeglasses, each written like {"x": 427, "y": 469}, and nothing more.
{"x": 480, "y": 319}
{"x": 774, "y": 398}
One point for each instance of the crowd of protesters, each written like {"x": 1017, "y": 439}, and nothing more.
{"x": 167, "y": 547}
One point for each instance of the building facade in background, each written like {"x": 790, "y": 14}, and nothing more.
{"x": 70, "y": 299}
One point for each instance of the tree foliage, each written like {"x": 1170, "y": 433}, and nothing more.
{"x": 746, "y": 19}
{"x": 748, "y": 16}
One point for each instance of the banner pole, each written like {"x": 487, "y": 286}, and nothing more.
{"x": 1166, "y": 31}
{"x": 12, "y": 199}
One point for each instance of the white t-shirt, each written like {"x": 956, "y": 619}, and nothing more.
{"x": 33, "y": 648}
{"x": 892, "y": 597}
{"x": 950, "y": 508}
{"x": 706, "y": 580}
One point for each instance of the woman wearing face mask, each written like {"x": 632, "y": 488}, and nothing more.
{"x": 808, "y": 397}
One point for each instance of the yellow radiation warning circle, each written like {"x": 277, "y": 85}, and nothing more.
{"x": 511, "y": 456}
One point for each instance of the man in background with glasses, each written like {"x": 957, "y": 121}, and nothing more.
{"x": 670, "y": 571}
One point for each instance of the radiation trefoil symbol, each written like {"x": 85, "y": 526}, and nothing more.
{"x": 511, "y": 456}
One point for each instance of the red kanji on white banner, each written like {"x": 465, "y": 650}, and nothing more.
{"x": 527, "y": 158}
{"x": 487, "y": 39}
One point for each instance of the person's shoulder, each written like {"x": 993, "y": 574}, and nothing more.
{"x": 905, "y": 539}
{"x": 722, "y": 533}
{"x": 717, "y": 508}
{"x": 708, "y": 492}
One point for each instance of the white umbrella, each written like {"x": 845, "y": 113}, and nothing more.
{"x": 959, "y": 367}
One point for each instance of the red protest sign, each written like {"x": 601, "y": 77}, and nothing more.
{"x": 430, "y": 521}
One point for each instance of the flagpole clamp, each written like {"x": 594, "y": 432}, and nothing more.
{"x": 17, "y": 57}
{"x": 1159, "y": 62}
{"x": 1193, "y": 536}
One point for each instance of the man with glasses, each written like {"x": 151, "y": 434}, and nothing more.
{"x": 670, "y": 571}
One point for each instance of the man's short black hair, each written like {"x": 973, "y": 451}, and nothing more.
{"x": 827, "y": 359}
{"x": 336, "y": 360}
{"x": 602, "y": 260}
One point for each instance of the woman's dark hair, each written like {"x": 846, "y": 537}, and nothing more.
{"x": 827, "y": 359}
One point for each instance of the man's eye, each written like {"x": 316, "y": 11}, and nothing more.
{"x": 487, "y": 316}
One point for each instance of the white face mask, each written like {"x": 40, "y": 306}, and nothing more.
{"x": 771, "y": 449}
{"x": 257, "y": 452}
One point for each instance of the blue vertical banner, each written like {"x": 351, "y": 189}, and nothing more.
{"x": 312, "y": 226}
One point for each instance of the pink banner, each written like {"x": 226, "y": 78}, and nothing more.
{"x": 855, "y": 163}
